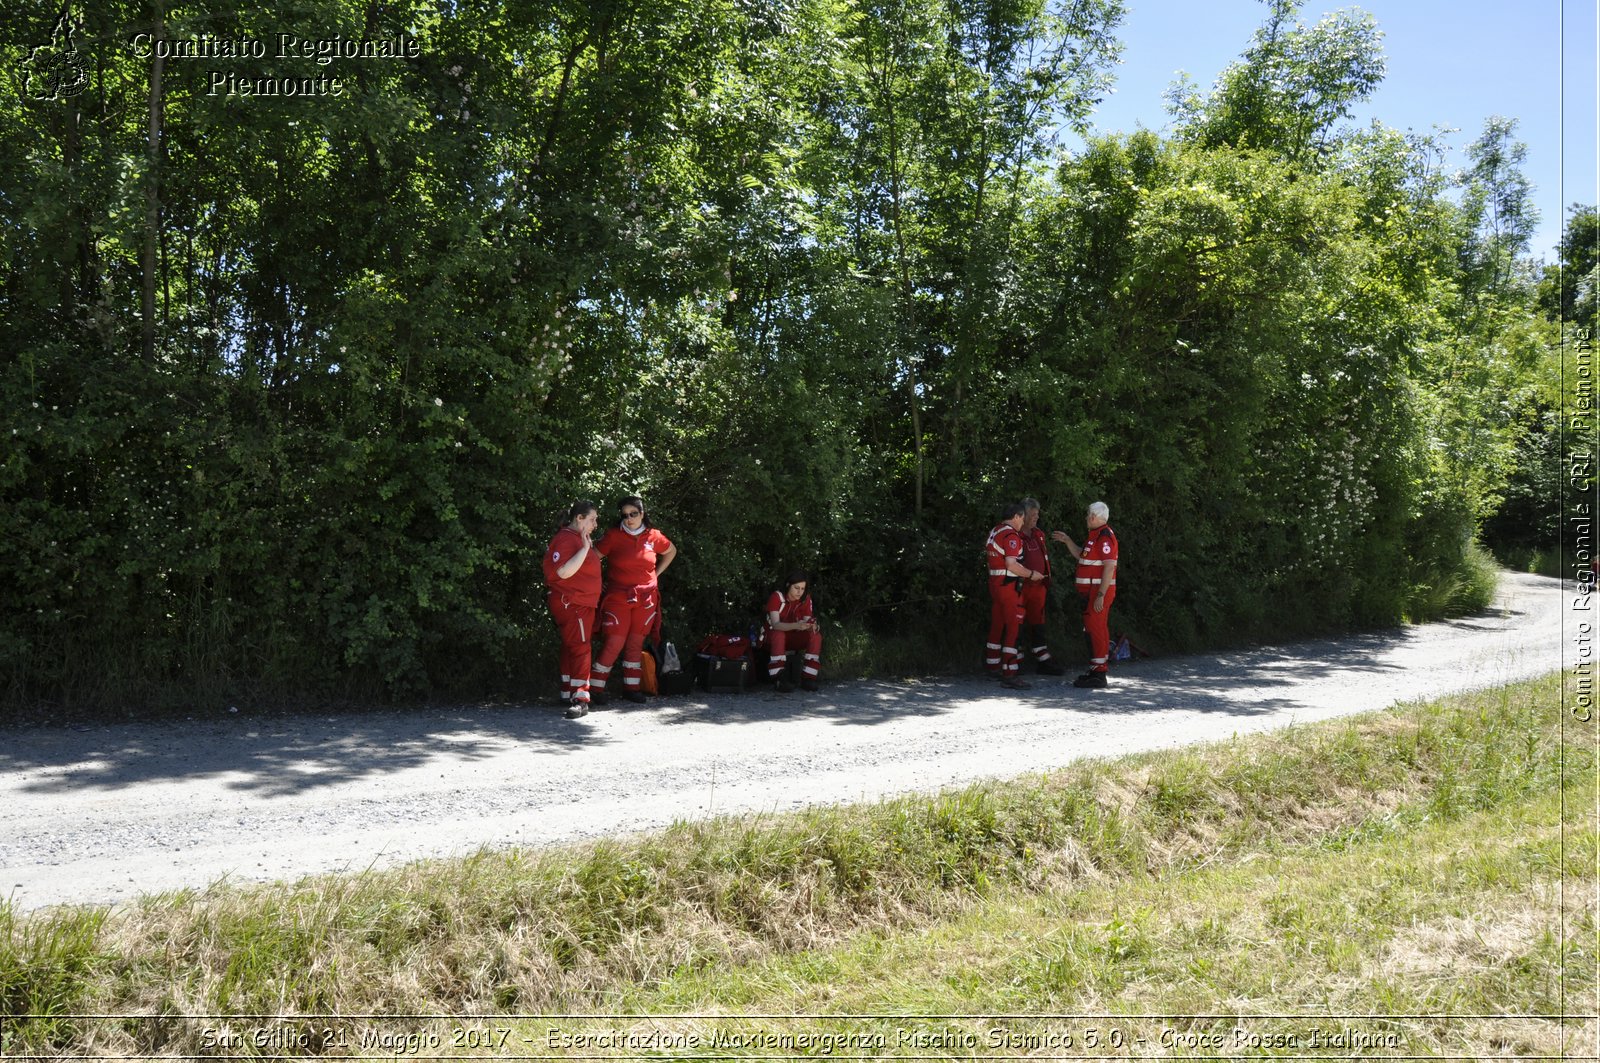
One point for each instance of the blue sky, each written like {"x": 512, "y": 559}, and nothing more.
{"x": 1449, "y": 63}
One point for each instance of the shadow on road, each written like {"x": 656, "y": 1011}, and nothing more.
{"x": 1251, "y": 682}
{"x": 281, "y": 755}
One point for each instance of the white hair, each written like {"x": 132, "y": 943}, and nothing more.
{"x": 1099, "y": 509}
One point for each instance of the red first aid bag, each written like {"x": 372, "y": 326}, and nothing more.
{"x": 730, "y": 646}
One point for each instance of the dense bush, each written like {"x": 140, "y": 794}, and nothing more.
{"x": 293, "y": 397}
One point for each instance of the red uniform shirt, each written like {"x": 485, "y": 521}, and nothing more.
{"x": 790, "y": 612}
{"x": 1004, "y": 542}
{"x": 631, "y": 559}
{"x": 583, "y": 586}
{"x": 1100, "y": 548}
{"x": 1036, "y": 552}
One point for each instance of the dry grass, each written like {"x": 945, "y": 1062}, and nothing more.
{"x": 1447, "y": 919}
{"x": 1476, "y": 943}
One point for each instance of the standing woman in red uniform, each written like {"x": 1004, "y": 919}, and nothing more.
{"x": 636, "y": 555}
{"x": 572, "y": 572}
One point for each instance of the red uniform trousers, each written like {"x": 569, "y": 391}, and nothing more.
{"x": 576, "y": 625}
{"x": 1005, "y": 622}
{"x": 779, "y": 643}
{"x": 626, "y": 617}
{"x": 1034, "y": 597}
{"x": 1096, "y": 625}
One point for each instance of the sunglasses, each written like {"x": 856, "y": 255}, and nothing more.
{"x": 629, "y": 514}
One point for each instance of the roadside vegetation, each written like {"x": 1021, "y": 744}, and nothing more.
{"x": 826, "y": 282}
{"x": 1402, "y": 863}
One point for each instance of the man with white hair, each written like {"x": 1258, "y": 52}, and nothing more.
{"x": 1097, "y": 584}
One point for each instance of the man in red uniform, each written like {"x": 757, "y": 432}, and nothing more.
{"x": 792, "y": 624}
{"x": 1036, "y": 556}
{"x": 636, "y": 555}
{"x": 572, "y": 572}
{"x": 1007, "y": 573}
{"x": 1097, "y": 585}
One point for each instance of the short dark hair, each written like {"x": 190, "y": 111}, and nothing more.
{"x": 795, "y": 576}
{"x": 1013, "y": 510}
{"x": 582, "y": 507}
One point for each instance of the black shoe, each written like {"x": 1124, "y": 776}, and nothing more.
{"x": 1016, "y": 683}
{"x": 635, "y": 696}
{"x": 1051, "y": 668}
{"x": 808, "y": 685}
{"x": 576, "y": 710}
{"x": 993, "y": 674}
{"x": 783, "y": 686}
{"x": 1091, "y": 680}
{"x": 598, "y": 697}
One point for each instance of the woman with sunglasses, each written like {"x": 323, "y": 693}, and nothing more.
{"x": 636, "y": 555}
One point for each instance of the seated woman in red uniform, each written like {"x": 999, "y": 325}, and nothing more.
{"x": 792, "y": 624}
{"x": 572, "y": 572}
{"x": 636, "y": 555}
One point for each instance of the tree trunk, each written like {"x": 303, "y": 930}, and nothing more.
{"x": 147, "y": 294}
{"x": 907, "y": 304}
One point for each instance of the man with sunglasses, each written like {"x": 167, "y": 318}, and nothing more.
{"x": 636, "y": 555}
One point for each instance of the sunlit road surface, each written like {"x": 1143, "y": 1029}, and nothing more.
{"x": 105, "y": 813}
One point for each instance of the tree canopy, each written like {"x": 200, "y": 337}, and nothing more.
{"x": 297, "y": 385}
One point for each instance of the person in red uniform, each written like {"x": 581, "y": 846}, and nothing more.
{"x": 1097, "y": 585}
{"x": 636, "y": 555}
{"x": 1036, "y": 556}
{"x": 1007, "y": 574}
{"x": 792, "y": 624}
{"x": 572, "y": 572}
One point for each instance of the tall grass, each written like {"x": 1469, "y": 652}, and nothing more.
{"x": 51, "y": 966}
{"x": 1455, "y": 593}
{"x": 1543, "y": 561}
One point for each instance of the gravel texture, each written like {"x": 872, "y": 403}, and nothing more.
{"x": 104, "y": 813}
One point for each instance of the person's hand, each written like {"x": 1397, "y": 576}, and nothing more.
{"x": 1100, "y": 603}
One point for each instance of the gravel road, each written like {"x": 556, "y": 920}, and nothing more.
{"x": 104, "y": 813}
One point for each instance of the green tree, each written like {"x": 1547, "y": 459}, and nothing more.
{"x": 1498, "y": 213}
{"x": 1291, "y": 86}
{"x": 1568, "y": 289}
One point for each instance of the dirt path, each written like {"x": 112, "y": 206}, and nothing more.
{"x": 105, "y": 813}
